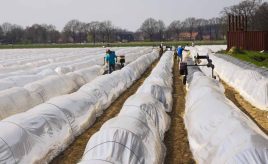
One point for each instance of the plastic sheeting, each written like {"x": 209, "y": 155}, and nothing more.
{"x": 243, "y": 64}
{"x": 136, "y": 134}
{"x": 159, "y": 83}
{"x": 250, "y": 81}
{"x": 16, "y": 100}
{"x": 63, "y": 62}
{"x": 21, "y": 80}
{"x": 218, "y": 131}
{"x": 43, "y": 132}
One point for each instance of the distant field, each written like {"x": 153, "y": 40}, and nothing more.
{"x": 130, "y": 44}
{"x": 254, "y": 57}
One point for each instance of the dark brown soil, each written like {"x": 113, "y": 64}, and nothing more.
{"x": 260, "y": 117}
{"x": 75, "y": 151}
{"x": 176, "y": 141}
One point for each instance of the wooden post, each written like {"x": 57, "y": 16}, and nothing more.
{"x": 246, "y": 23}
{"x": 233, "y": 22}
{"x": 229, "y": 22}
{"x": 236, "y": 23}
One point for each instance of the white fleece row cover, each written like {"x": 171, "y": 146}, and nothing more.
{"x": 51, "y": 58}
{"x": 136, "y": 134}
{"x": 243, "y": 64}
{"x": 84, "y": 60}
{"x": 250, "y": 82}
{"x": 218, "y": 131}
{"x": 41, "y": 133}
{"x": 21, "y": 99}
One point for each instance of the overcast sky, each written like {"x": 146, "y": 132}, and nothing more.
{"x": 128, "y": 14}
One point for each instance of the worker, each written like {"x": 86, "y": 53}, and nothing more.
{"x": 110, "y": 59}
{"x": 179, "y": 51}
{"x": 161, "y": 49}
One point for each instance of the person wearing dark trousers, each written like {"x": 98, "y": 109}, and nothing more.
{"x": 111, "y": 59}
{"x": 161, "y": 49}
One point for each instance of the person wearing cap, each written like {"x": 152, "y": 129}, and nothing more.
{"x": 110, "y": 59}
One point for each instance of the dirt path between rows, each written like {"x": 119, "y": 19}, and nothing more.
{"x": 260, "y": 117}
{"x": 176, "y": 141}
{"x": 75, "y": 151}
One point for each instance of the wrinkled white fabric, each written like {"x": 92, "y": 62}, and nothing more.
{"x": 39, "y": 63}
{"x": 16, "y": 100}
{"x": 42, "y": 132}
{"x": 218, "y": 131}
{"x": 250, "y": 81}
{"x": 136, "y": 134}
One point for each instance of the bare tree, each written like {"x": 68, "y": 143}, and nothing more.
{"x": 82, "y": 32}
{"x": 246, "y": 8}
{"x": 160, "y": 29}
{"x": 1, "y": 34}
{"x": 71, "y": 29}
{"x": 223, "y": 27}
{"x": 108, "y": 29}
{"x": 7, "y": 27}
{"x": 174, "y": 29}
{"x": 200, "y": 27}
{"x": 52, "y": 34}
{"x": 15, "y": 35}
{"x": 190, "y": 24}
{"x": 36, "y": 34}
{"x": 149, "y": 27}
{"x": 93, "y": 28}
{"x": 261, "y": 17}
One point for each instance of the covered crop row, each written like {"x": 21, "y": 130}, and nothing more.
{"x": 218, "y": 131}
{"x": 136, "y": 134}
{"x": 21, "y": 78}
{"x": 41, "y": 133}
{"x": 39, "y": 60}
{"x": 250, "y": 81}
{"x": 245, "y": 65}
{"x": 250, "y": 84}
{"x": 20, "y": 99}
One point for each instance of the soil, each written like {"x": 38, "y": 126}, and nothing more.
{"x": 75, "y": 151}
{"x": 176, "y": 141}
{"x": 260, "y": 117}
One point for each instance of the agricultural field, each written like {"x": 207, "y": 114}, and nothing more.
{"x": 59, "y": 106}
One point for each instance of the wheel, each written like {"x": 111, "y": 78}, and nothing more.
{"x": 183, "y": 68}
{"x": 184, "y": 80}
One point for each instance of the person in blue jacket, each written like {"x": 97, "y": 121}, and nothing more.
{"x": 179, "y": 51}
{"x": 111, "y": 59}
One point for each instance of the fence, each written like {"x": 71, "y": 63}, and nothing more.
{"x": 248, "y": 40}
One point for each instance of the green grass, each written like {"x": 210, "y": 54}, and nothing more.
{"x": 130, "y": 44}
{"x": 254, "y": 57}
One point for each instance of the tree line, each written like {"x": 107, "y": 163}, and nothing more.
{"x": 191, "y": 28}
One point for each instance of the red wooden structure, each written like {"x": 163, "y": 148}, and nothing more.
{"x": 238, "y": 35}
